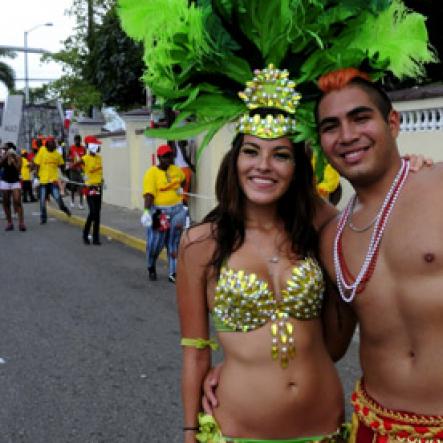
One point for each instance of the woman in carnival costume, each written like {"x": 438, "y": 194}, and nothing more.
{"x": 251, "y": 264}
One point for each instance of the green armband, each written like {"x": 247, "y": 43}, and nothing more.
{"x": 199, "y": 343}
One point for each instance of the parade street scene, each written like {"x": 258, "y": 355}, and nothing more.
{"x": 221, "y": 221}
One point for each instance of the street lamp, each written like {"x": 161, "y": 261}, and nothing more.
{"x": 26, "y": 58}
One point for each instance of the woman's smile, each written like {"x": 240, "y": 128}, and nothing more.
{"x": 263, "y": 182}
{"x": 265, "y": 168}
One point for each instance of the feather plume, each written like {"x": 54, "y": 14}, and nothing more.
{"x": 200, "y": 53}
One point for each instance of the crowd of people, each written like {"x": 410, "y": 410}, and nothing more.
{"x": 51, "y": 170}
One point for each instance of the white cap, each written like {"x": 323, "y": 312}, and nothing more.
{"x": 93, "y": 148}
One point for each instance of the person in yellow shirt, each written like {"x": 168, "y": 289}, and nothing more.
{"x": 164, "y": 215}
{"x": 48, "y": 161}
{"x": 25, "y": 173}
{"x": 93, "y": 170}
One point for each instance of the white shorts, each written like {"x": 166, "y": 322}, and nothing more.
{"x": 5, "y": 186}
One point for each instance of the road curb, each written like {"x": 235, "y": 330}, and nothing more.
{"x": 115, "y": 234}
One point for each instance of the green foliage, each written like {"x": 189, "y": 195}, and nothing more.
{"x": 174, "y": 37}
{"x": 7, "y": 74}
{"x": 100, "y": 63}
{"x": 117, "y": 65}
{"x": 199, "y": 54}
{"x": 75, "y": 92}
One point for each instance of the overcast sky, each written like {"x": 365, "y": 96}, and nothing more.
{"x": 18, "y": 16}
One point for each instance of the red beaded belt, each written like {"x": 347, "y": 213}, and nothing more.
{"x": 372, "y": 423}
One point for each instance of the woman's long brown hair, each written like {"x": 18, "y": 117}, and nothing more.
{"x": 296, "y": 208}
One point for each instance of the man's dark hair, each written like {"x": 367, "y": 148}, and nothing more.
{"x": 376, "y": 93}
{"x": 50, "y": 144}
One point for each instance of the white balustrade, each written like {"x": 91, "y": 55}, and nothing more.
{"x": 419, "y": 120}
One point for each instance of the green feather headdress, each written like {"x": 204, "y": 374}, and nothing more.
{"x": 199, "y": 54}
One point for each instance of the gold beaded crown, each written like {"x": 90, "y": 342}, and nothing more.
{"x": 269, "y": 89}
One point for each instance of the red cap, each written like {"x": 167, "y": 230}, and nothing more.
{"x": 163, "y": 150}
{"x": 90, "y": 139}
{"x": 50, "y": 138}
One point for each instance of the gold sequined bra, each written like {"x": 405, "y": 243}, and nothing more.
{"x": 244, "y": 303}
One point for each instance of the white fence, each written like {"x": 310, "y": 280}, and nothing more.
{"x": 418, "y": 120}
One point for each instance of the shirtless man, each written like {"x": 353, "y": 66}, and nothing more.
{"x": 400, "y": 305}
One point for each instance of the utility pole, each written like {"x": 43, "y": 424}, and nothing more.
{"x": 25, "y": 34}
{"x": 26, "y": 106}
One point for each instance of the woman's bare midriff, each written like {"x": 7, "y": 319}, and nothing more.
{"x": 260, "y": 399}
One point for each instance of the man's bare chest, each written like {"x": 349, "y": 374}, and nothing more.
{"x": 412, "y": 242}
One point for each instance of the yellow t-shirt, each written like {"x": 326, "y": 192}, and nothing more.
{"x": 93, "y": 168}
{"x": 163, "y": 185}
{"x": 48, "y": 163}
{"x": 25, "y": 171}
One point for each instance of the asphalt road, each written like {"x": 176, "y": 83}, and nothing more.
{"x": 89, "y": 349}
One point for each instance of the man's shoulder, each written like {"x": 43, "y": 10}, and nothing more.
{"x": 330, "y": 226}
{"x": 151, "y": 170}
{"x": 429, "y": 177}
{"x": 39, "y": 154}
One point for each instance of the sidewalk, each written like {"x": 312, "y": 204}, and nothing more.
{"x": 120, "y": 224}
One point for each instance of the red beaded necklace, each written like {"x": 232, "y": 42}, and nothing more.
{"x": 345, "y": 280}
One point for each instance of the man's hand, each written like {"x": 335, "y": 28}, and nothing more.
{"x": 418, "y": 162}
{"x": 146, "y": 219}
{"x": 210, "y": 385}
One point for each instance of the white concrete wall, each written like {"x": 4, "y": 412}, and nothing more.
{"x": 207, "y": 169}
{"x": 83, "y": 129}
{"x": 116, "y": 170}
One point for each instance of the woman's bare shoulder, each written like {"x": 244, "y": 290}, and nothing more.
{"x": 201, "y": 233}
{"x": 199, "y": 240}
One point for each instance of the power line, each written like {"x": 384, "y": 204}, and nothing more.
{"x": 22, "y": 49}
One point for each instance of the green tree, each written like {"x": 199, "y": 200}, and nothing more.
{"x": 117, "y": 64}
{"x": 7, "y": 74}
{"x": 72, "y": 88}
{"x": 100, "y": 63}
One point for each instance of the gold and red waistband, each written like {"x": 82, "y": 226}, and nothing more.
{"x": 372, "y": 423}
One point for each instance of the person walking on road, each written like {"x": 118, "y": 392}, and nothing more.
{"x": 28, "y": 194}
{"x": 11, "y": 164}
{"x": 164, "y": 215}
{"x": 93, "y": 170}
{"x": 47, "y": 162}
{"x": 76, "y": 152}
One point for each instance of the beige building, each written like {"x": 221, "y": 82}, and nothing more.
{"x": 127, "y": 154}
